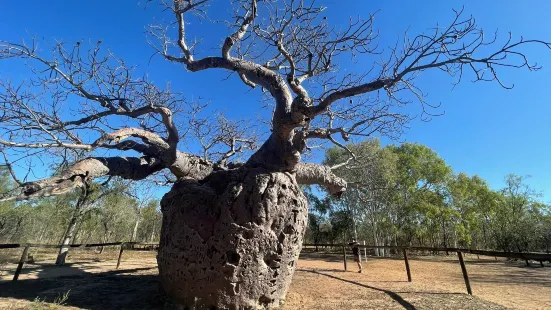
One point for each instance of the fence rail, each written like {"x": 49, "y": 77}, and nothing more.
{"x": 521, "y": 255}
{"x": 134, "y": 246}
{"x": 536, "y": 256}
{"x": 140, "y": 246}
{"x": 57, "y": 246}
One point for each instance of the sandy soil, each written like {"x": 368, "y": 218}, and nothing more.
{"x": 319, "y": 283}
{"x": 437, "y": 281}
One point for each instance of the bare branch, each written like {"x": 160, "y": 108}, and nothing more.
{"x": 9, "y": 166}
{"x": 248, "y": 19}
{"x": 451, "y": 50}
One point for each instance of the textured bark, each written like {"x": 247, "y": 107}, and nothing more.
{"x": 135, "y": 230}
{"x": 231, "y": 241}
{"x": 277, "y": 153}
{"x": 185, "y": 165}
{"x": 64, "y": 250}
{"x": 132, "y": 168}
{"x": 321, "y": 175}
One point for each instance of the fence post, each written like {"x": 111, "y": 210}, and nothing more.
{"x": 465, "y": 274}
{"x": 120, "y": 256}
{"x": 407, "y": 263}
{"x": 344, "y": 256}
{"x": 21, "y": 262}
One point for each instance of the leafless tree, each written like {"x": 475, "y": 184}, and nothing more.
{"x": 81, "y": 102}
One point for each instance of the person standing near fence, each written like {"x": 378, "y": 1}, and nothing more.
{"x": 356, "y": 252}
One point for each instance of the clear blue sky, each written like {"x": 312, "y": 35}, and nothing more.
{"x": 486, "y": 130}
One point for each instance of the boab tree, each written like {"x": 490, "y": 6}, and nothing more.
{"x": 231, "y": 231}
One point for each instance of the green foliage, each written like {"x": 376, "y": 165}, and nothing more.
{"x": 408, "y": 195}
{"x": 108, "y": 214}
{"x": 399, "y": 195}
{"x": 151, "y": 222}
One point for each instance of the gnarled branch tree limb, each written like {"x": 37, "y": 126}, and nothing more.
{"x": 138, "y": 168}
{"x": 83, "y": 171}
{"x": 320, "y": 175}
{"x": 291, "y": 44}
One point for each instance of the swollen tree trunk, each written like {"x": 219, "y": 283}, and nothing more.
{"x": 231, "y": 241}
{"x": 64, "y": 250}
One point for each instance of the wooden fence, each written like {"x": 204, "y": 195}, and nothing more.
{"x": 134, "y": 246}
{"x": 540, "y": 257}
{"x": 138, "y": 246}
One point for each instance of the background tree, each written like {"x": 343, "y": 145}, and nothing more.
{"x": 220, "y": 217}
{"x": 407, "y": 195}
{"x": 371, "y": 199}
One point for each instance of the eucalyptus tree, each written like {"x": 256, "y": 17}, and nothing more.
{"x": 421, "y": 189}
{"x": 151, "y": 227}
{"x": 476, "y": 204}
{"x": 371, "y": 200}
{"x": 517, "y": 215}
{"x": 232, "y": 232}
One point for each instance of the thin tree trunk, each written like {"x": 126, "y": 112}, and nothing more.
{"x": 152, "y": 236}
{"x": 396, "y": 242}
{"x": 64, "y": 250}
{"x": 484, "y": 233}
{"x": 41, "y": 234}
{"x": 316, "y": 237}
{"x": 376, "y": 241}
{"x": 135, "y": 231}
{"x": 17, "y": 227}
{"x": 77, "y": 231}
{"x": 106, "y": 239}
{"x": 353, "y": 214}
{"x": 374, "y": 231}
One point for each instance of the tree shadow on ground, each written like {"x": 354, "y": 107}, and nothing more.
{"x": 337, "y": 257}
{"x": 333, "y": 257}
{"x": 483, "y": 261}
{"x": 42, "y": 270}
{"x": 519, "y": 278}
{"x": 108, "y": 290}
{"x": 323, "y": 270}
{"x": 328, "y": 257}
{"x": 391, "y": 294}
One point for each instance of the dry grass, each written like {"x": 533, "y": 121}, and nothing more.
{"x": 319, "y": 283}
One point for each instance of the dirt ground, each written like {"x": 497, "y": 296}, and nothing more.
{"x": 90, "y": 281}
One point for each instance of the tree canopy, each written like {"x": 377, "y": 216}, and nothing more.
{"x": 287, "y": 49}
{"x": 408, "y": 195}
